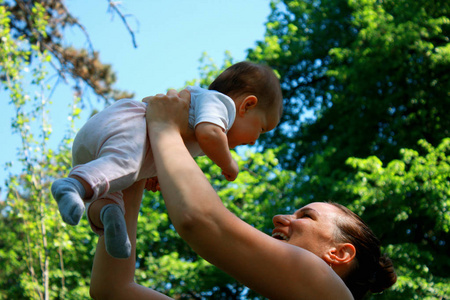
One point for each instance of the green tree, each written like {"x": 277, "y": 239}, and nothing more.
{"x": 82, "y": 65}
{"x": 40, "y": 257}
{"x": 408, "y": 201}
{"x": 370, "y": 74}
{"x": 34, "y": 261}
{"x": 361, "y": 79}
{"x": 367, "y": 79}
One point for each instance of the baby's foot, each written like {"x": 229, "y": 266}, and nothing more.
{"x": 69, "y": 194}
{"x": 116, "y": 237}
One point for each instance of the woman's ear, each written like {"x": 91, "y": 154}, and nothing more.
{"x": 247, "y": 104}
{"x": 343, "y": 253}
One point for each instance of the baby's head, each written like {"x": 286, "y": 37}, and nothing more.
{"x": 259, "y": 102}
{"x": 247, "y": 78}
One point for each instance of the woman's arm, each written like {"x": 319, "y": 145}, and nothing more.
{"x": 114, "y": 278}
{"x": 268, "y": 266}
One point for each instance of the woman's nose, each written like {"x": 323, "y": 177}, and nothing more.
{"x": 281, "y": 220}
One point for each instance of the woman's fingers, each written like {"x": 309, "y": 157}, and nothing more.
{"x": 185, "y": 95}
{"x": 172, "y": 92}
{"x": 171, "y": 109}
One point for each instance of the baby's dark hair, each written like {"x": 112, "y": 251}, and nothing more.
{"x": 372, "y": 271}
{"x": 247, "y": 78}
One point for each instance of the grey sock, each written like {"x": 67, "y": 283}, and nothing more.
{"x": 116, "y": 237}
{"x": 69, "y": 194}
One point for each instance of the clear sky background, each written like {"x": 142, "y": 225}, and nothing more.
{"x": 171, "y": 36}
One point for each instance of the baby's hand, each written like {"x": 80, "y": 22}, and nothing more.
{"x": 152, "y": 184}
{"x": 231, "y": 171}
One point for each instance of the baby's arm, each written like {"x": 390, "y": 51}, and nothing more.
{"x": 214, "y": 143}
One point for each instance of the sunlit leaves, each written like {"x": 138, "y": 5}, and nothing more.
{"x": 408, "y": 203}
{"x": 374, "y": 75}
{"x": 39, "y": 258}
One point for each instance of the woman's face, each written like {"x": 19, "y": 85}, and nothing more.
{"x": 311, "y": 227}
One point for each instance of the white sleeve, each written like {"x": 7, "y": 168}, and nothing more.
{"x": 214, "y": 107}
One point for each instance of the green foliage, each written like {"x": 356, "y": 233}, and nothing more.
{"x": 364, "y": 77}
{"x": 37, "y": 252}
{"x": 42, "y": 24}
{"x": 363, "y": 81}
{"x": 40, "y": 255}
{"x": 369, "y": 79}
{"x": 407, "y": 203}
{"x": 209, "y": 70}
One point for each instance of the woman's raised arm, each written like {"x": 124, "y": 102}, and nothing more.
{"x": 268, "y": 266}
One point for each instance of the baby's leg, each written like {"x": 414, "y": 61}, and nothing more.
{"x": 112, "y": 278}
{"x": 69, "y": 194}
{"x": 107, "y": 217}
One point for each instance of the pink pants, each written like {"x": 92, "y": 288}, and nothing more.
{"x": 112, "y": 151}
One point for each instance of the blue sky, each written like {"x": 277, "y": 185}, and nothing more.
{"x": 171, "y": 36}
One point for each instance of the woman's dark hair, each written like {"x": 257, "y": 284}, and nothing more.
{"x": 247, "y": 78}
{"x": 372, "y": 271}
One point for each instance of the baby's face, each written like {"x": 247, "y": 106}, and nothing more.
{"x": 248, "y": 127}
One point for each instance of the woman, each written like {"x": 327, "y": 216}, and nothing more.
{"x": 322, "y": 251}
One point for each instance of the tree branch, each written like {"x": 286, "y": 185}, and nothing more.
{"x": 113, "y": 6}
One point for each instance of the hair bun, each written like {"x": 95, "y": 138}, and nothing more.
{"x": 384, "y": 276}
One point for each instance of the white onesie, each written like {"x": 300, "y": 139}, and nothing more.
{"x": 112, "y": 150}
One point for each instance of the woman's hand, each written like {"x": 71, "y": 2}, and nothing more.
{"x": 168, "y": 111}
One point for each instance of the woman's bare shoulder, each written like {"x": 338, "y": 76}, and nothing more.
{"x": 271, "y": 267}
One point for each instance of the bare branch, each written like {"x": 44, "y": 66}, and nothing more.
{"x": 76, "y": 22}
{"x": 113, "y": 6}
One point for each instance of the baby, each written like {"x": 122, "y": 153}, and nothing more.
{"x": 112, "y": 150}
